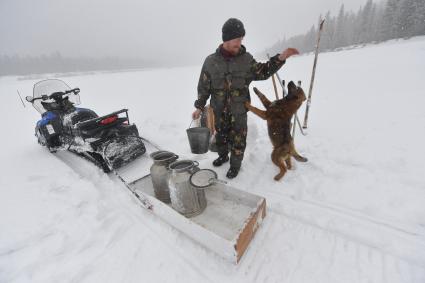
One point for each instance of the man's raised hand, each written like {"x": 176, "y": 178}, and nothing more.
{"x": 288, "y": 53}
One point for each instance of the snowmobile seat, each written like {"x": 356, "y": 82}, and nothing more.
{"x": 94, "y": 126}
{"x": 65, "y": 105}
{"x": 83, "y": 115}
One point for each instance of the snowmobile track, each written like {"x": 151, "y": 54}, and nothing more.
{"x": 403, "y": 244}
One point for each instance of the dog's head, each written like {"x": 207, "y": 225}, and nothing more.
{"x": 295, "y": 92}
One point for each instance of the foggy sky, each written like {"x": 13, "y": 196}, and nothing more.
{"x": 162, "y": 30}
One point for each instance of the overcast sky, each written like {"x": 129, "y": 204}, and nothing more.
{"x": 162, "y": 29}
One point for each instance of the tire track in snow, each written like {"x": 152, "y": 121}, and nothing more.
{"x": 94, "y": 175}
{"x": 309, "y": 252}
{"x": 373, "y": 233}
{"x": 405, "y": 242}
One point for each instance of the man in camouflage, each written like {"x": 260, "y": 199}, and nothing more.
{"x": 226, "y": 75}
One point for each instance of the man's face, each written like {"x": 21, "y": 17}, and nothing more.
{"x": 233, "y": 46}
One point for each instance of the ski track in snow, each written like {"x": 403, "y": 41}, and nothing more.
{"x": 353, "y": 213}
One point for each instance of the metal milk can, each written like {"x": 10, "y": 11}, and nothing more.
{"x": 160, "y": 174}
{"x": 185, "y": 198}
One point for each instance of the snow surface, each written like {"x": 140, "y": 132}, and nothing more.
{"x": 354, "y": 213}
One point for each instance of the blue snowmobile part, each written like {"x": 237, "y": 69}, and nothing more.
{"x": 46, "y": 118}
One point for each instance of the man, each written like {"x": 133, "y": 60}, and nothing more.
{"x": 226, "y": 75}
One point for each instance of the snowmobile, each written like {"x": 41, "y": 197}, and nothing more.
{"x": 110, "y": 141}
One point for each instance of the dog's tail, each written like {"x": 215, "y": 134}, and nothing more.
{"x": 296, "y": 155}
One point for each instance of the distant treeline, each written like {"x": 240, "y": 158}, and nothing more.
{"x": 56, "y": 63}
{"x": 374, "y": 22}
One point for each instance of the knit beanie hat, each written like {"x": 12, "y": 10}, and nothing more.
{"x": 232, "y": 28}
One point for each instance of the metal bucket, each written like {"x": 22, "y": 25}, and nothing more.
{"x": 185, "y": 199}
{"x": 160, "y": 174}
{"x": 199, "y": 139}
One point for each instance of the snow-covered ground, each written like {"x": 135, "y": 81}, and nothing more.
{"x": 354, "y": 213}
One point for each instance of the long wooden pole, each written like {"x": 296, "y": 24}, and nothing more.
{"x": 312, "y": 76}
{"x": 274, "y": 83}
{"x": 275, "y": 88}
{"x": 295, "y": 120}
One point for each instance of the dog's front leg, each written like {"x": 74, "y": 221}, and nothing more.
{"x": 255, "y": 110}
{"x": 266, "y": 102}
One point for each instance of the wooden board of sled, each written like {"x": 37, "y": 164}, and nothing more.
{"x": 226, "y": 226}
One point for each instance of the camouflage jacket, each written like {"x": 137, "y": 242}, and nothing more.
{"x": 227, "y": 80}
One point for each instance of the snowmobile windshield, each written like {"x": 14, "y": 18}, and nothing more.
{"x": 47, "y": 87}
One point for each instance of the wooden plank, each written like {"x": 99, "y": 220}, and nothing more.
{"x": 249, "y": 230}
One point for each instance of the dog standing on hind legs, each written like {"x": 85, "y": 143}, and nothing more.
{"x": 278, "y": 115}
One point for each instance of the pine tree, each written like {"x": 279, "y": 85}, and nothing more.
{"x": 365, "y": 19}
{"x": 418, "y": 17}
{"x": 406, "y": 20}
{"x": 310, "y": 39}
{"x": 340, "y": 28}
{"x": 350, "y": 28}
{"x": 328, "y": 32}
{"x": 390, "y": 20}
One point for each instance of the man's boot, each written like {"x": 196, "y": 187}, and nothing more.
{"x": 220, "y": 160}
{"x": 233, "y": 172}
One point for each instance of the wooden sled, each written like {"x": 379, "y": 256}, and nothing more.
{"x": 226, "y": 226}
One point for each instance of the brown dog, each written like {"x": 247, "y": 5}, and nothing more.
{"x": 278, "y": 115}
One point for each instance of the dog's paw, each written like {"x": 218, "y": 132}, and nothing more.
{"x": 278, "y": 177}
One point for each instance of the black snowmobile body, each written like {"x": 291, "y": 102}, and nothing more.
{"x": 110, "y": 141}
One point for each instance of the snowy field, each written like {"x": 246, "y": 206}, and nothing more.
{"x": 354, "y": 213}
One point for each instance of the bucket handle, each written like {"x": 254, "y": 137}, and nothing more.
{"x": 216, "y": 181}
{"x": 175, "y": 157}
{"x": 191, "y": 123}
{"x": 195, "y": 167}
{"x": 211, "y": 181}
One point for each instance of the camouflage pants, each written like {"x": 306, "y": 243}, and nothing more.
{"x": 231, "y": 135}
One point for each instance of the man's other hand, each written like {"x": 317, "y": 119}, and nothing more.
{"x": 196, "y": 114}
{"x": 288, "y": 53}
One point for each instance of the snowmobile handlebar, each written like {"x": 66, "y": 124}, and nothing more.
{"x": 56, "y": 95}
